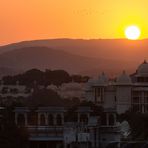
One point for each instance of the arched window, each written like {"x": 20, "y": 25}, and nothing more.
{"x": 32, "y": 118}
{"x": 50, "y": 119}
{"x": 111, "y": 119}
{"x": 59, "y": 120}
{"x": 42, "y": 120}
{"x": 21, "y": 120}
{"x": 83, "y": 118}
{"x": 103, "y": 119}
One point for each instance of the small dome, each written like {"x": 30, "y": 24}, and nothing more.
{"x": 17, "y": 82}
{"x": 102, "y": 80}
{"x": 103, "y": 77}
{"x": 143, "y": 68}
{"x": 91, "y": 81}
{"x": 71, "y": 86}
{"x": 53, "y": 87}
{"x": 124, "y": 79}
{"x": 89, "y": 84}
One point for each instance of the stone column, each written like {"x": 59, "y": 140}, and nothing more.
{"x": 46, "y": 118}
{"x": 78, "y": 117}
{"x": 62, "y": 116}
{"x": 107, "y": 119}
{"x": 92, "y": 135}
{"x": 88, "y": 115}
{"x": 115, "y": 119}
{"x": 39, "y": 119}
{"x": 16, "y": 116}
{"x": 142, "y": 102}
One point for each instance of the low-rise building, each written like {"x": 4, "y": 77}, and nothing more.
{"x": 48, "y": 127}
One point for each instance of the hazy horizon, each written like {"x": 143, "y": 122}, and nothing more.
{"x": 86, "y": 39}
{"x": 31, "y": 20}
{"x": 91, "y": 28}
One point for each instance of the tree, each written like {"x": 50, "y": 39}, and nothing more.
{"x": 45, "y": 97}
{"x": 10, "y": 135}
{"x": 138, "y": 123}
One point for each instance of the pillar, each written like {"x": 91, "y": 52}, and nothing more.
{"x": 142, "y": 102}
{"x": 88, "y": 115}
{"x": 107, "y": 119}
{"x": 62, "y": 116}
{"x": 78, "y": 117}
{"x": 39, "y": 119}
{"x": 115, "y": 120}
{"x": 16, "y": 116}
{"x": 46, "y": 118}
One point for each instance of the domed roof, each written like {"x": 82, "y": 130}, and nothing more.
{"x": 91, "y": 81}
{"x": 51, "y": 86}
{"x": 89, "y": 84}
{"x": 143, "y": 68}
{"x": 124, "y": 79}
{"x": 103, "y": 77}
{"x": 71, "y": 85}
{"x": 102, "y": 80}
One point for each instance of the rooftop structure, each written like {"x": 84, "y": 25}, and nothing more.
{"x": 126, "y": 92}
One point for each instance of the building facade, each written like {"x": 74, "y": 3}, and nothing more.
{"x": 48, "y": 127}
{"x": 126, "y": 92}
{"x": 14, "y": 91}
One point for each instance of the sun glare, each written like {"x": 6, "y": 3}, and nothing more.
{"x": 132, "y": 32}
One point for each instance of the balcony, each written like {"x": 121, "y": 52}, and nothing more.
{"x": 45, "y": 133}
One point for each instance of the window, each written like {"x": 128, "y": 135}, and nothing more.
{"x": 136, "y": 97}
{"x": 32, "y": 118}
{"x": 146, "y": 97}
{"x": 59, "y": 120}
{"x": 21, "y": 120}
{"x": 42, "y": 120}
{"x": 111, "y": 119}
{"x": 50, "y": 119}
{"x": 137, "y": 108}
{"x": 4, "y": 90}
{"x": 103, "y": 119}
{"x": 83, "y": 118}
{"x": 142, "y": 79}
{"x": 99, "y": 91}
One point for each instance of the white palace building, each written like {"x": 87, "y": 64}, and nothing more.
{"x": 126, "y": 92}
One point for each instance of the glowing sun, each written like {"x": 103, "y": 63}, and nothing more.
{"x": 132, "y": 32}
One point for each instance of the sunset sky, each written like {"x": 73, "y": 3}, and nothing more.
{"x": 43, "y": 19}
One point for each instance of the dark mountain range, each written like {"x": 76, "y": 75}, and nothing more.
{"x": 99, "y": 48}
{"x": 76, "y": 55}
{"x": 46, "y": 58}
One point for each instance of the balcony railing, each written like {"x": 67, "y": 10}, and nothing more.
{"x": 46, "y": 132}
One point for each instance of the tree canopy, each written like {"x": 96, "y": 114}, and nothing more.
{"x": 47, "y": 77}
{"x": 138, "y": 123}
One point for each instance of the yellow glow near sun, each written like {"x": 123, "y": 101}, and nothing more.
{"x": 132, "y": 32}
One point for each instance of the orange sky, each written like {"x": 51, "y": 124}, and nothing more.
{"x": 42, "y": 19}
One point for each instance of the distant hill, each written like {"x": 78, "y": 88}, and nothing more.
{"x": 46, "y": 58}
{"x": 76, "y": 55}
{"x": 99, "y": 48}
{"x": 9, "y": 71}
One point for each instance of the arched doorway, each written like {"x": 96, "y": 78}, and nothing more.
{"x": 59, "y": 119}
{"x": 50, "y": 119}
{"x": 83, "y": 118}
{"x": 42, "y": 120}
{"x": 21, "y": 120}
{"x": 111, "y": 120}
